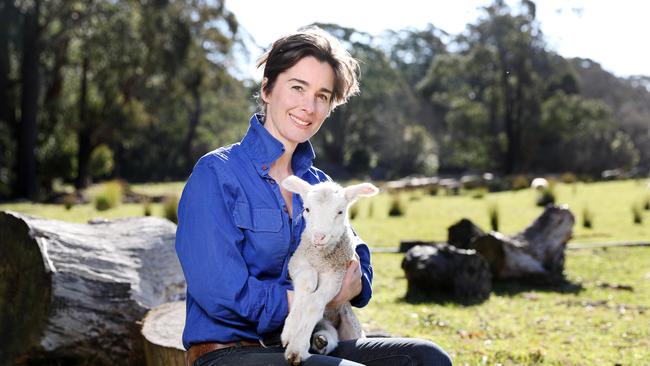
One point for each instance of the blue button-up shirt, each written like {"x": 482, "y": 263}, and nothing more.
{"x": 235, "y": 237}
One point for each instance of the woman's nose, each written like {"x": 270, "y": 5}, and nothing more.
{"x": 309, "y": 104}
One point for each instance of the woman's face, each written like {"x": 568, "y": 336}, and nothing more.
{"x": 299, "y": 101}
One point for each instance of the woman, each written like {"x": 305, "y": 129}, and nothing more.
{"x": 238, "y": 227}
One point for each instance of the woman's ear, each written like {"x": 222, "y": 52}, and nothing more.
{"x": 265, "y": 97}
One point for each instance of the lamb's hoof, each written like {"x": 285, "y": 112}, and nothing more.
{"x": 320, "y": 343}
{"x": 294, "y": 358}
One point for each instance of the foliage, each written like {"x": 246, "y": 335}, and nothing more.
{"x": 353, "y": 212}
{"x": 587, "y": 218}
{"x": 153, "y": 85}
{"x": 637, "y": 214}
{"x": 545, "y": 197}
{"x": 170, "y": 208}
{"x": 101, "y": 161}
{"x": 493, "y": 214}
{"x": 110, "y": 196}
{"x": 397, "y": 206}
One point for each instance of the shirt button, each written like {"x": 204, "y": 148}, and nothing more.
{"x": 264, "y": 167}
{"x": 272, "y": 181}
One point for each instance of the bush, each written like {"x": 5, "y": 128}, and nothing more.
{"x": 147, "y": 208}
{"x": 520, "y": 182}
{"x": 646, "y": 203}
{"x": 636, "y": 214}
{"x": 69, "y": 200}
{"x": 354, "y": 211}
{"x": 568, "y": 178}
{"x": 397, "y": 207}
{"x": 101, "y": 161}
{"x": 170, "y": 208}
{"x": 479, "y": 193}
{"x": 110, "y": 197}
{"x": 433, "y": 189}
{"x": 587, "y": 218}
{"x": 493, "y": 214}
{"x": 546, "y": 197}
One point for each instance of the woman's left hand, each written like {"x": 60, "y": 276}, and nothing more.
{"x": 351, "y": 286}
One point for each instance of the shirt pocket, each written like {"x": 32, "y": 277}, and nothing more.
{"x": 266, "y": 239}
{"x": 257, "y": 219}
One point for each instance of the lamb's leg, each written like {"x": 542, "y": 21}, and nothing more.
{"x": 310, "y": 312}
{"x": 325, "y": 338}
{"x": 303, "y": 275}
{"x": 305, "y": 281}
{"x": 350, "y": 326}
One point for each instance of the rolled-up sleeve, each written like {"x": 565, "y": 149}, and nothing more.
{"x": 208, "y": 245}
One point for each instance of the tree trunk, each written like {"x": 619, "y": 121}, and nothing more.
{"x": 85, "y": 131}
{"x": 162, "y": 329}
{"x": 76, "y": 291}
{"x": 537, "y": 253}
{"x": 443, "y": 270}
{"x": 26, "y": 177}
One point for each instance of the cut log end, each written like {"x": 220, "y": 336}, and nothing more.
{"x": 162, "y": 329}
{"x": 25, "y": 288}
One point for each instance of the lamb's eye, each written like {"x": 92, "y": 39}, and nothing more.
{"x": 307, "y": 209}
{"x": 340, "y": 212}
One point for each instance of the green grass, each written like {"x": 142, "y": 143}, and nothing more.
{"x": 428, "y": 217}
{"x": 585, "y": 323}
{"x": 85, "y": 212}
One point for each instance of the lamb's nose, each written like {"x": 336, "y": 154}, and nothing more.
{"x": 319, "y": 238}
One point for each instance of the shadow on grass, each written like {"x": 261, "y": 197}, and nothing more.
{"x": 499, "y": 288}
{"x": 515, "y": 287}
{"x": 439, "y": 299}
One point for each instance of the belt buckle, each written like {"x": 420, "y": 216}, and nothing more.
{"x": 262, "y": 343}
{"x": 270, "y": 340}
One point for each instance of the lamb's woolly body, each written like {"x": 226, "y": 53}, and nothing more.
{"x": 317, "y": 269}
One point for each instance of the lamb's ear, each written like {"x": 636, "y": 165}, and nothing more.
{"x": 360, "y": 190}
{"x": 296, "y": 185}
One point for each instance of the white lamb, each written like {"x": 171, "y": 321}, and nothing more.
{"x": 317, "y": 269}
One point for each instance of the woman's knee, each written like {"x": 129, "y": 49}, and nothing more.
{"x": 427, "y": 353}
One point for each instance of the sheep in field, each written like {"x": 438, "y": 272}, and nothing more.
{"x": 317, "y": 269}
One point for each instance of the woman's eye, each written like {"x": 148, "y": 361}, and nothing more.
{"x": 297, "y": 88}
{"x": 323, "y": 97}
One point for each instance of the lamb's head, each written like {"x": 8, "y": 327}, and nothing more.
{"x": 326, "y": 207}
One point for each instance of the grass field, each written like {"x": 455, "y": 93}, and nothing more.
{"x": 593, "y": 320}
{"x": 601, "y": 317}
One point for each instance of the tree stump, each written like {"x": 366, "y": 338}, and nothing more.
{"x": 537, "y": 253}
{"x": 443, "y": 269}
{"x": 162, "y": 330}
{"x": 76, "y": 291}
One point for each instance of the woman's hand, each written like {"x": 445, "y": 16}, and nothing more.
{"x": 351, "y": 286}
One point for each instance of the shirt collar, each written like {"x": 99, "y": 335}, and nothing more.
{"x": 263, "y": 149}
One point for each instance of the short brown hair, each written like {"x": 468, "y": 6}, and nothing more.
{"x": 315, "y": 42}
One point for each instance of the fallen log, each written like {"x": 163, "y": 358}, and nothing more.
{"x": 463, "y": 233}
{"x": 536, "y": 253}
{"x": 76, "y": 291}
{"x": 162, "y": 331}
{"x": 444, "y": 270}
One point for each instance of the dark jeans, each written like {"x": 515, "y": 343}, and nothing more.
{"x": 368, "y": 351}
